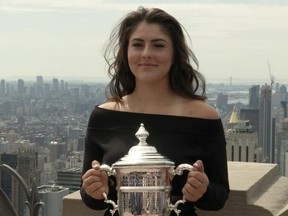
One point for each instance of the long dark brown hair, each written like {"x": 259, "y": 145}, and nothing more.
{"x": 185, "y": 79}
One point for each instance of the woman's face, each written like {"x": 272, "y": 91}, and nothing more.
{"x": 150, "y": 53}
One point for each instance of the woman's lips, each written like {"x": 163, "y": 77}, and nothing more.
{"x": 147, "y": 65}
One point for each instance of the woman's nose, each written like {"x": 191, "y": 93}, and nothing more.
{"x": 146, "y": 52}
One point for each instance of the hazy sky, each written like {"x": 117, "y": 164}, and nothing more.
{"x": 65, "y": 38}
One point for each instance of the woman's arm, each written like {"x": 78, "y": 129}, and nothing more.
{"x": 216, "y": 169}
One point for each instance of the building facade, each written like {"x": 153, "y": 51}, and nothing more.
{"x": 70, "y": 178}
{"x": 254, "y": 97}
{"x": 242, "y": 140}
{"x": 265, "y": 124}
{"x": 52, "y": 197}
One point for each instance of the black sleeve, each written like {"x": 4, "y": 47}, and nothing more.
{"x": 94, "y": 152}
{"x": 90, "y": 154}
{"x": 216, "y": 169}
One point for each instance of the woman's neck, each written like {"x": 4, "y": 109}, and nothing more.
{"x": 150, "y": 100}
{"x": 152, "y": 94}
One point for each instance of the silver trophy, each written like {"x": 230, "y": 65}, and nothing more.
{"x": 144, "y": 180}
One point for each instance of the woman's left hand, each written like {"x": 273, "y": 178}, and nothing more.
{"x": 197, "y": 183}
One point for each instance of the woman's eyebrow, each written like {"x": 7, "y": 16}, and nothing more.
{"x": 154, "y": 40}
{"x": 159, "y": 40}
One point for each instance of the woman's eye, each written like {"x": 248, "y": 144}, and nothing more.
{"x": 136, "y": 44}
{"x": 159, "y": 45}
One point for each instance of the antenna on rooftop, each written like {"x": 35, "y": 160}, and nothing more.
{"x": 272, "y": 78}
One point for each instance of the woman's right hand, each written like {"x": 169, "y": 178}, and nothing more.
{"x": 95, "y": 181}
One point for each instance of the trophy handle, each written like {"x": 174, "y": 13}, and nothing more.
{"x": 179, "y": 171}
{"x": 182, "y": 167}
{"x": 109, "y": 171}
{"x": 115, "y": 207}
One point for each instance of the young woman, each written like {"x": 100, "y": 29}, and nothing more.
{"x": 154, "y": 81}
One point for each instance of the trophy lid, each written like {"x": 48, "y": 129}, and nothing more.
{"x": 143, "y": 154}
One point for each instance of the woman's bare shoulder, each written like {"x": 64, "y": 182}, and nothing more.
{"x": 111, "y": 105}
{"x": 201, "y": 109}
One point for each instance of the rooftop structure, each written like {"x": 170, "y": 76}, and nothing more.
{"x": 51, "y": 196}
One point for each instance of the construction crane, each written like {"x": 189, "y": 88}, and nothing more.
{"x": 272, "y": 78}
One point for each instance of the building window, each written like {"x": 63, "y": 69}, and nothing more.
{"x": 247, "y": 153}
{"x": 240, "y": 153}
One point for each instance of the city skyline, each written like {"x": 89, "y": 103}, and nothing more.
{"x": 30, "y": 80}
{"x": 65, "y": 39}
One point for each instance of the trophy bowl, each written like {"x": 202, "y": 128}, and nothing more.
{"x": 143, "y": 178}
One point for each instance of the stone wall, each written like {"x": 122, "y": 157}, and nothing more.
{"x": 257, "y": 189}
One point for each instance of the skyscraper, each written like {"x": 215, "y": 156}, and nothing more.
{"x": 252, "y": 115}
{"x": 39, "y": 85}
{"x": 5, "y": 177}
{"x": 2, "y": 87}
{"x": 241, "y": 140}
{"x": 70, "y": 178}
{"x": 21, "y": 87}
{"x": 27, "y": 167}
{"x": 221, "y": 100}
{"x": 254, "y": 97}
{"x": 25, "y": 163}
{"x": 265, "y": 123}
{"x": 55, "y": 84}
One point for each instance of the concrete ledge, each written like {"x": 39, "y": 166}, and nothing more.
{"x": 73, "y": 206}
{"x": 279, "y": 192}
{"x": 248, "y": 181}
{"x": 256, "y": 190}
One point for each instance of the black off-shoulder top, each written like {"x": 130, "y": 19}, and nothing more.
{"x": 110, "y": 134}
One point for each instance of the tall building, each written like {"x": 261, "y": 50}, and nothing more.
{"x": 5, "y": 177}
{"x": 46, "y": 89}
{"x": 2, "y": 87}
{"x": 242, "y": 141}
{"x": 52, "y": 197}
{"x": 70, "y": 178}
{"x": 39, "y": 85}
{"x": 8, "y": 91}
{"x": 252, "y": 115}
{"x": 283, "y": 90}
{"x": 55, "y": 84}
{"x": 279, "y": 96}
{"x": 284, "y": 108}
{"x": 27, "y": 167}
{"x": 254, "y": 97}
{"x": 56, "y": 150}
{"x": 265, "y": 124}
{"x": 81, "y": 143}
{"x": 62, "y": 85}
{"x": 282, "y": 141}
{"x": 221, "y": 100}
{"x": 25, "y": 163}
{"x": 21, "y": 87}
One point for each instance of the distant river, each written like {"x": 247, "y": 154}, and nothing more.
{"x": 237, "y": 100}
